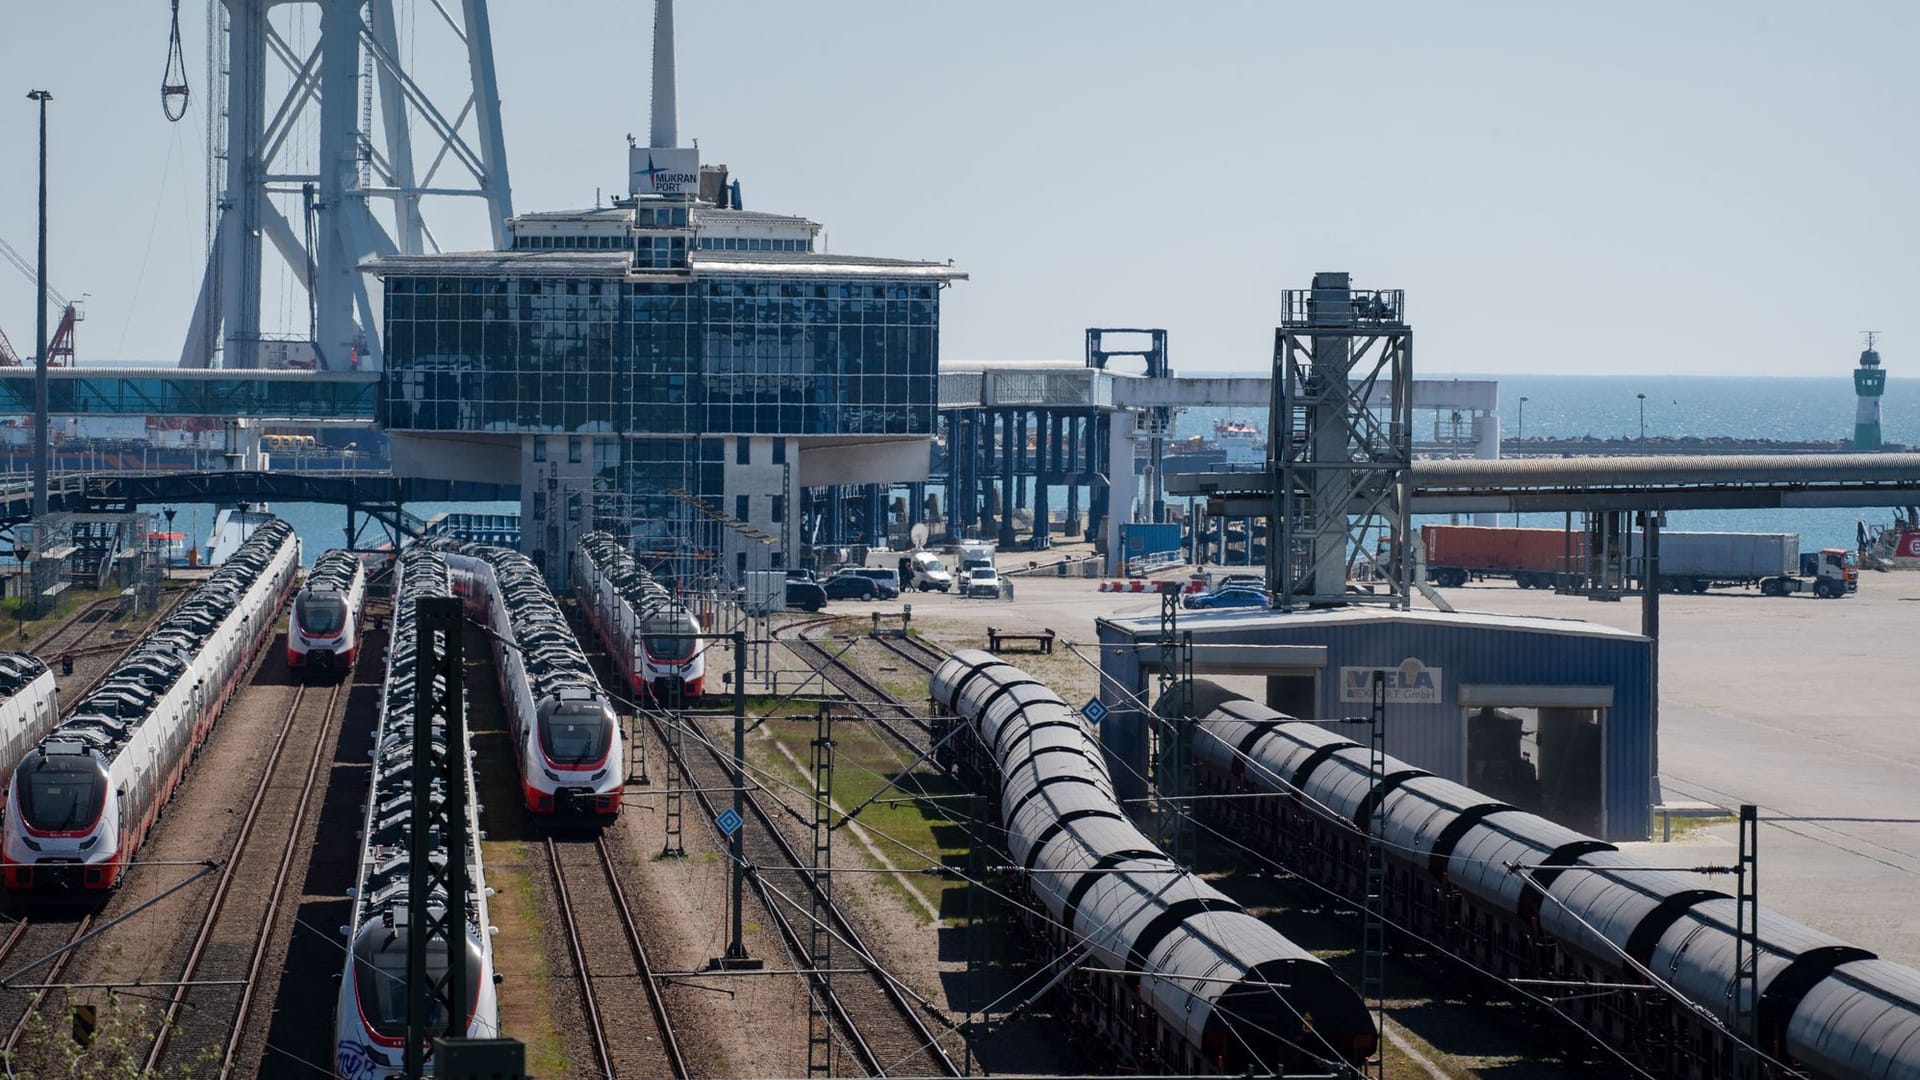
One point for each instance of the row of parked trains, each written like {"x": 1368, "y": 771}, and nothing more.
{"x": 84, "y": 794}
{"x": 370, "y": 1017}
{"x": 1642, "y": 961}
{"x": 87, "y": 790}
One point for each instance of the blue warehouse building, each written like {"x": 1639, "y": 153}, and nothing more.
{"x": 1550, "y": 715}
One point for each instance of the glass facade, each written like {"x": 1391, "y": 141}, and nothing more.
{"x": 725, "y": 355}
{"x": 659, "y": 373}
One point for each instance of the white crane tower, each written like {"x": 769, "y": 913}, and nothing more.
{"x": 340, "y": 163}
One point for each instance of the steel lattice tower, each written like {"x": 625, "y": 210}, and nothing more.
{"x": 366, "y": 158}
{"x": 1340, "y": 442}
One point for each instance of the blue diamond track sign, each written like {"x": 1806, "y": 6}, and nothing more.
{"x": 1094, "y": 711}
{"x": 728, "y": 821}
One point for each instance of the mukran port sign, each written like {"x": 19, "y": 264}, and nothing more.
{"x": 656, "y": 171}
{"x": 1411, "y": 683}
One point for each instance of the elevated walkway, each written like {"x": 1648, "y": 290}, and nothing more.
{"x": 1599, "y": 484}
{"x": 379, "y": 495}
{"x": 307, "y": 397}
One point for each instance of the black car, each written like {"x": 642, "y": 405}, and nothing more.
{"x": 805, "y": 595}
{"x": 848, "y": 586}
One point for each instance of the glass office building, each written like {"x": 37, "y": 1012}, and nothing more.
{"x": 657, "y": 375}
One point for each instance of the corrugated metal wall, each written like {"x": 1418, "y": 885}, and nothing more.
{"x": 1433, "y": 736}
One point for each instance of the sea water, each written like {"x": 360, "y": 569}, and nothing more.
{"x": 1609, "y": 406}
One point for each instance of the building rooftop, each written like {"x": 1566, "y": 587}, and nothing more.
{"x": 1251, "y": 621}
{"x": 714, "y": 215}
{"x": 597, "y": 264}
{"x": 813, "y": 263}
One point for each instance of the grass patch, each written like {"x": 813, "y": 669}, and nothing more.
{"x": 911, "y": 812}
{"x": 1682, "y": 826}
{"x": 525, "y": 1000}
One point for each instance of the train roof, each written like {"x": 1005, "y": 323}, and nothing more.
{"x": 106, "y": 718}
{"x": 334, "y": 571}
{"x": 385, "y": 883}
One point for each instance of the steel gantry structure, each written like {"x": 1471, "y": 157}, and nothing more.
{"x": 363, "y": 153}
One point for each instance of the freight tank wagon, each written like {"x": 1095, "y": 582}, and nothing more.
{"x": 1510, "y": 895}
{"x": 370, "y": 1016}
{"x": 83, "y": 799}
{"x": 1182, "y": 980}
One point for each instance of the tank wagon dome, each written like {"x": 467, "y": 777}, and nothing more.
{"x": 1223, "y": 984}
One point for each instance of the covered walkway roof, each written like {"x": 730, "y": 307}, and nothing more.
{"x": 1672, "y": 482}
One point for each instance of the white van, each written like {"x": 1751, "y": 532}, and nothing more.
{"x": 929, "y": 572}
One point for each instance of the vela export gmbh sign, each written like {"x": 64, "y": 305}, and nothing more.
{"x": 657, "y": 171}
{"x": 1411, "y": 683}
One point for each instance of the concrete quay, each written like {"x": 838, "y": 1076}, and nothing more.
{"x": 1804, "y": 707}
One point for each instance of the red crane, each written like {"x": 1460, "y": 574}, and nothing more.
{"x": 60, "y": 347}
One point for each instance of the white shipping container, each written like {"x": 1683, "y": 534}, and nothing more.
{"x": 1725, "y": 556}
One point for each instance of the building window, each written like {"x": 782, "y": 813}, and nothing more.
{"x": 740, "y": 505}
{"x": 539, "y": 506}
{"x": 775, "y": 559}
{"x": 573, "y": 449}
{"x": 779, "y": 451}
{"x": 540, "y": 448}
{"x": 606, "y": 453}
{"x": 778, "y": 507}
{"x": 742, "y": 452}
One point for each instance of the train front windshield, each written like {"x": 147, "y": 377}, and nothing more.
{"x": 576, "y": 735}
{"x": 380, "y": 974}
{"x": 61, "y": 792}
{"x": 321, "y": 615}
{"x": 661, "y": 646}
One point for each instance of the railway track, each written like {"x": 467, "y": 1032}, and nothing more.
{"x": 34, "y": 939}
{"x": 883, "y": 1026}
{"x": 619, "y": 1046}
{"x": 74, "y": 629}
{"x": 914, "y": 651}
{"x": 871, "y": 700}
{"x": 236, "y": 930}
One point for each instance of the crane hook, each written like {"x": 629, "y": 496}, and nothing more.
{"x": 173, "y": 81}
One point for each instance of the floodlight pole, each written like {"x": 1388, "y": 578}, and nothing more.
{"x": 40, "y": 424}
{"x": 736, "y": 949}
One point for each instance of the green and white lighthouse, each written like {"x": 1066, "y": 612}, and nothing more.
{"x": 1869, "y": 382}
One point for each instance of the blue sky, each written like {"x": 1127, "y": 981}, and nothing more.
{"x": 1709, "y": 188}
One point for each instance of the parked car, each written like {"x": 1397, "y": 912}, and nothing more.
{"x": 982, "y": 581}
{"x": 1249, "y": 581}
{"x": 850, "y": 586}
{"x": 805, "y": 595}
{"x": 886, "y": 582}
{"x": 1236, "y": 596}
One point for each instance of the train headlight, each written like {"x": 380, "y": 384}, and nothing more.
{"x": 88, "y": 843}
{"x": 551, "y": 775}
{"x": 31, "y": 844}
{"x": 597, "y": 777}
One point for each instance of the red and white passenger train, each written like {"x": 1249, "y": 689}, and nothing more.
{"x": 370, "y": 1012}
{"x": 82, "y": 800}
{"x": 567, "y": 741}
{"x": 646, "y": 632}
{"x": 323, "y": 631}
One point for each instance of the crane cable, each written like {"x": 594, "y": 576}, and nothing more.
{"x": 173, "y": 81}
